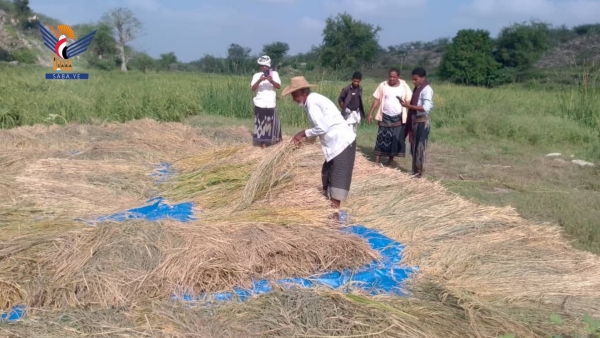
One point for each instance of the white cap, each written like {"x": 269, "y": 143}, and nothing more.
{"x": 264, "y": 61}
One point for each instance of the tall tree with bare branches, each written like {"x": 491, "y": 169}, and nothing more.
{"x": 126, "y": 28}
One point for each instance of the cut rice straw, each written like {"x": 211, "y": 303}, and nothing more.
{"x": 274, "y": 167}
{"x": 483, "y": 271}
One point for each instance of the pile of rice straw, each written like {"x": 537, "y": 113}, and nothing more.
{"x": 484, "y": 271}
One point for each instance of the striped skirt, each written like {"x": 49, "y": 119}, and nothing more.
{"x": 337, "y": 174}
{"x": 390, "y": 137}
{"x": 421, "y": 127}
{"x": 267, "y": 128}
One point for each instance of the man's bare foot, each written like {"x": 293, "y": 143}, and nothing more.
{"x": 339, "y": 218}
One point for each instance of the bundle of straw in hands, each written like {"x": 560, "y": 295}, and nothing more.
{"x": 275, "y": 166}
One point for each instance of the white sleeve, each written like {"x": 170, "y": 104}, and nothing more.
{"x": 427, "y": 94}
{"x": 276, "y": 77}
{"x": 254, "y": 79}
{"x": 317, "y": 117}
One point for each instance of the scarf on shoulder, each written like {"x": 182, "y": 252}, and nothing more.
{"x": 414, "y": 100}
{"x": 415, "y": 96}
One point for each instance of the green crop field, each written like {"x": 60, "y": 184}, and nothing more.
{"x": 489, "y": 145}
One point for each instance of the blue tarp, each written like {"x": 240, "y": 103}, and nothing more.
{"x": 380, "y": 276}
{"x": 163, "y": 171}
{"x": 383, "y": 276}
{"x": 16, "y": 313}
{"x": 156, "y": 210}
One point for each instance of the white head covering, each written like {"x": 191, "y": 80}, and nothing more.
{"x": 264, "y": 60}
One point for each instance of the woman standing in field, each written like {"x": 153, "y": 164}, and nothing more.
{"x": 267, "y": 129}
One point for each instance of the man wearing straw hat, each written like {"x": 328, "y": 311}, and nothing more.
{"x": 338, "y": 140}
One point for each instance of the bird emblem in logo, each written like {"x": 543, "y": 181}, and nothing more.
{"x": 56, "y": 41}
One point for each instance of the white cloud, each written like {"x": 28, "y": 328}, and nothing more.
{"x": 145, "y": 5}
{"x": 312, "y": 24}
{"x": 557, "y": 12}
{"x": 374, "y": 7}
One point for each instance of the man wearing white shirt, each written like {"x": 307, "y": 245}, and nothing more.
{"x": 267, "y": 128}
{"x": 338, "y": 140}
{"x": 420, "y": 107}
{"x": 391, "y": 116}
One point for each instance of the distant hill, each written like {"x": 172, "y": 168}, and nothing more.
{"x": 576, "y": 51}
{"x": 21, "y": 41}
{"x": 576, "y": 48}
{"x": 21, "y": 45}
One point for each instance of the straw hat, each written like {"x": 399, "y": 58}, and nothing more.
{"x": 298, "y": 82}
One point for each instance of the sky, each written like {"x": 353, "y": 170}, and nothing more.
{"x": 192, "y": 29}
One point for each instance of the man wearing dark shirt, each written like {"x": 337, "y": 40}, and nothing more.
{"x": 350, "y": 101}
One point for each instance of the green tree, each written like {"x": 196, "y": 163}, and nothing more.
{"x": 166, "y": 60}
{"x": 142, "y": 62}
{"x": 211, "y": 64}
{"x": 589, "y": 29}
{"x": 126, "y": 28}
{"x": 21, "y": 8}
{"x": 521, "y": 45}
{"x": 6, "y": 6}
{"x": 238, "y": 58}
{"x": 104, "y": 45}
{"x": 348, "y": 43}
{"x": 22, "y": 13}
{"x": 469, "y": 59}
{"x": 561, "y": 34}
{"x": 276, "y": 51}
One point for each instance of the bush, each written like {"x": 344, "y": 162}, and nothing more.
{"x": 24, "y": 23}
{"x": 589, "y": 29}
{"x": 580, "y": 103}
{"x": 522, "y": 45}
{"x": 469, "y": 60}
{"x": 9, "y": 118}
{"x": 502, "y": 76}
{"x": 5, "y": 6}
{"x": 5, "y": 55}
{"x": 23, "y": 55}
{"x": 101, "y": 64}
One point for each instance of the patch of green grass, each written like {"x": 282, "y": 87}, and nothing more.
{"x": 580, "y": 102}
{"x": 488, "y": 145}
{"x": 24, "y": 55}
{"x": 11, "y": 30}
{"x": 540, "y": 188}
{"x": 6, "y": 6}
{"x": 591, "y": 327}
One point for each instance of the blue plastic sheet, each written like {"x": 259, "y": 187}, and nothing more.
{"x": 385, "y": 275}
{"x": 156, "y": 210}
{"x": 163, "y": 171}
{"x": 15, "y": 314}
